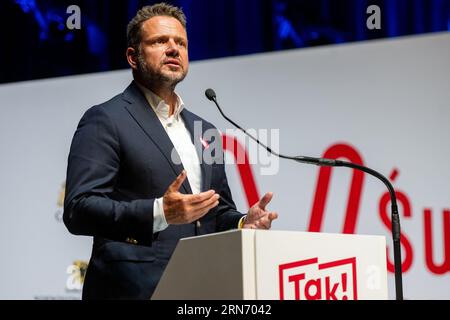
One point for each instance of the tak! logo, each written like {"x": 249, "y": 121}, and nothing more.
{"x": 311, "y": 280}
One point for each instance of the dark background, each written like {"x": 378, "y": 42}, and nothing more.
{"x": 35, "y": 42}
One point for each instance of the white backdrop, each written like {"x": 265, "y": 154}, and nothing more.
{"x": 386, "y": 101}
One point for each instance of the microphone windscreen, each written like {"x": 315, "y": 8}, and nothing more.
{"x": 210, "y": 94}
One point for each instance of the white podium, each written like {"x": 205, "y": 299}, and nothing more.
{"x": 273, "y": 265}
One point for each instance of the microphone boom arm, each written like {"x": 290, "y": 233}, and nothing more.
{"x": 395, "y": 227}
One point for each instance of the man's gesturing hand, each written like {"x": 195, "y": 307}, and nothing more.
{"x": 258, "y": 217}
{"x": 185, "y": 208}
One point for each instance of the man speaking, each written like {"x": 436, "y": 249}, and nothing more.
{"x": 136, "y": 180}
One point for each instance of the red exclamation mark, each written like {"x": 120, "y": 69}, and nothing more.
{"x": 344, "y": 285}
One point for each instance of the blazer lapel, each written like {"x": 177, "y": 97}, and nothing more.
{"x": 196, "y": 137}
{"x": 147, "y": 119}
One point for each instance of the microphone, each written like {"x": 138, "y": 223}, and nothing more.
{"x": 395, "y": 227}
{"x": 211, "y": 95}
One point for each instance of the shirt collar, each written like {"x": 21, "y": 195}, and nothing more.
{"x": 160, "y": 107}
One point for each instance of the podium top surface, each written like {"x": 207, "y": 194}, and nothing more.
{"x": 281, "y": 232}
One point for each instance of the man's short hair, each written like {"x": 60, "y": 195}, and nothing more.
{"x": 160, "y": 9}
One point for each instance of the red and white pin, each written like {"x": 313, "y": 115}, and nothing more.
{"x": 205, "y": 143}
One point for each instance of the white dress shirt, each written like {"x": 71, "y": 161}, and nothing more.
{"x": 181, "y": 139}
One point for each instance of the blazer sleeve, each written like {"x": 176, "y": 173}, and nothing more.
{"x": 93, "y": 165}
{"x": 227, "y": 216}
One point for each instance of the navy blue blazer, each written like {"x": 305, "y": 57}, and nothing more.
{"x": 119, "y": 163}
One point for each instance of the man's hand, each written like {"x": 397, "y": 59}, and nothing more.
{"x": 185, "y": 208}
{"x": 258, "y": 217}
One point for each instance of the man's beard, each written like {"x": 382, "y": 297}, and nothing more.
{"x": 152, "y": 78}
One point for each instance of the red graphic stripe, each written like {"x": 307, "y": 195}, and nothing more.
{"x": 231, "y": 144}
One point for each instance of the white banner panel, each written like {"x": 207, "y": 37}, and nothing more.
{"x": 384, "y": 104}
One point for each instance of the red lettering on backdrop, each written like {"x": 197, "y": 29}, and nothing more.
{"x": 231, "y": 144}
{"x": 384, "y": 211}
{"x": 323, "y": 182}
{"x": 428, "y": 230}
